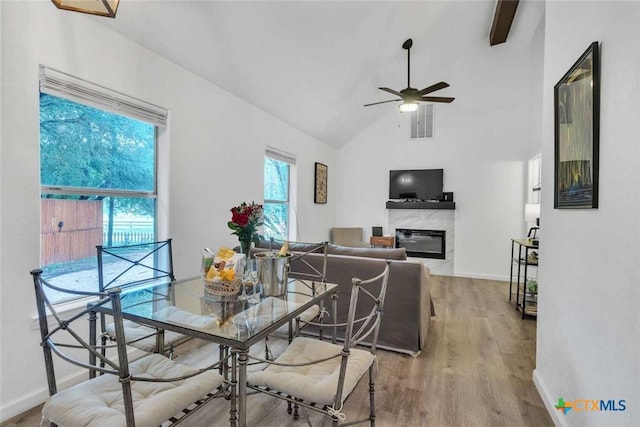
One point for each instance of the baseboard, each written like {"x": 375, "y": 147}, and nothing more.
{"x": 482, "y": 276}
{"x": 24, "y": 404}
{"x": 548, "y": 400}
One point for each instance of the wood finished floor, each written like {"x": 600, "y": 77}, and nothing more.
{"x": 475, "y": 371}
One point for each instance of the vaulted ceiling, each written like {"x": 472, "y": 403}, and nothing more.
{"x": 313, "y": 64}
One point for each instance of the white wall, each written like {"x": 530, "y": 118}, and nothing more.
{"x": 481, "y": 140}
{"x": 215, "y": 162}
{"x": 588, "y": 317}
{"x": 536, "y": 64}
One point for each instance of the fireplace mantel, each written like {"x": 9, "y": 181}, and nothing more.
{"x": 421, "y": 205}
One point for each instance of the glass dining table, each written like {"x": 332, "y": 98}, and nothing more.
{"x": 187, "y": 307}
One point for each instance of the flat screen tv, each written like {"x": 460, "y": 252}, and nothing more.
{"x": 421, "y": 184}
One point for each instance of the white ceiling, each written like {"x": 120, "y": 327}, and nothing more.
{"x": 312, "y": 64}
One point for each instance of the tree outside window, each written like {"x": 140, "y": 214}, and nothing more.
{"x": 98, "y": 186}
{"x": 276, "y": 198}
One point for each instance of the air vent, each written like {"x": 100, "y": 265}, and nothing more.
{"x": 422, "y": 121}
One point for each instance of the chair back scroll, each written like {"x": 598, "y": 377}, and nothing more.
{"x": 130, "y": 265}
{"x": 367, "y": 326}
{"x": 325, "y": 390}
{"x": 66, "y": 335}
{"x": 142, "y": 384}
{"x": 300, "y": 267}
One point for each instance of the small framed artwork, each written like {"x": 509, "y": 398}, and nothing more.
{"x": 320, "y": 183}
{"x": 577, "y": 128}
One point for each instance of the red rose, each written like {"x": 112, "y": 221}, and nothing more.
{"x": 241, "y": 219}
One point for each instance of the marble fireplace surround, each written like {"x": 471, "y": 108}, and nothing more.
{"x": 427, "y": 219}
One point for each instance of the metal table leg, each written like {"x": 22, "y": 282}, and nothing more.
{"x": 233, "y": 412}
{"x": 242, "y": 387}
{"x": 92, "y": 341}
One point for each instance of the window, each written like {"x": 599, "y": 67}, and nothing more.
{"x": 535, "y": 178}
{"x": 277, "y": 203}
{"x": 98, "y": 179}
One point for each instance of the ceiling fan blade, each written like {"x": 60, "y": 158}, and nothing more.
{"x": 386, "y": 89}
{"x": 382, "y": 102}
{"x": 436, "y": 99}
{"x": 433, "y": 88}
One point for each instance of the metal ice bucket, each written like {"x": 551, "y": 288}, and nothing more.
{"x": 273, "y": 272}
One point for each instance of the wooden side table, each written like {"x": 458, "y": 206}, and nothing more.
{"x": 382, "y": 241}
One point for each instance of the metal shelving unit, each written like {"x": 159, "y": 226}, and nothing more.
{"x": 526, "y": 265}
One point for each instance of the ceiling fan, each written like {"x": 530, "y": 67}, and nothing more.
{"x": 411, "y": 96}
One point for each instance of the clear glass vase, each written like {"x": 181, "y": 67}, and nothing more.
{"x": 245, "y": 248}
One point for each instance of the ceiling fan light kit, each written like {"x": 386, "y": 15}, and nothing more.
{"x": 409, "y": 96}
{"x": 407, "y": 107}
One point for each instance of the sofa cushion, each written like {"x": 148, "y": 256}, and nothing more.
{"x": 293, "y": 246}
{"x": 384, "y": 253}
{"x": 333, "y": 249}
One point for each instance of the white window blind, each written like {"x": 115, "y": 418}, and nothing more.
{"x": 283, "y": 156}
{"x": 57, "y": 83}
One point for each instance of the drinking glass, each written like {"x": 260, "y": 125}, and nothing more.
{"x": 251, "y": 277}
{"x": 241, "y": 274}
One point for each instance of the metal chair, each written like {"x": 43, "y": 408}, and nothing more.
{"x": 307, "y": 264}
{"x": 132, "y": 265}
{"x": 319, "y": 375}
{"x": 146, "y": 392}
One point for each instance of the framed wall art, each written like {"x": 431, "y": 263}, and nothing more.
{"x": 320, "y": 183}
{"x": 577, "y": 128}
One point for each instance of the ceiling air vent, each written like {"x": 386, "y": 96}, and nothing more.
{"x": 422, "y": 121}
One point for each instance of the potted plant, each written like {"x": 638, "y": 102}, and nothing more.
{"x": 532, "y": 287}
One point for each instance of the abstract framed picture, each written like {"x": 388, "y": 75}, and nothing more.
{"x": 577, "y": 128}
{"x": 320, "y": 183}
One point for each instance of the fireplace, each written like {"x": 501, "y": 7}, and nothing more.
{"x": 422, "y": 243}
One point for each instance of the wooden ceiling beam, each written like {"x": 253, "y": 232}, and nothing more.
{"x": 502, "y": 20}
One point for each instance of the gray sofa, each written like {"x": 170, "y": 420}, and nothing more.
{"x": 407, "y": 310}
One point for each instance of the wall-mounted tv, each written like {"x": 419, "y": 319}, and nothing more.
{"x": 421, "y": 184}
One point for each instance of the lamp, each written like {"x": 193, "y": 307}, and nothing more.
{"x": 409, "y": 106}
{"x": 532, "y": 213}
{"x": 94, "y": 7}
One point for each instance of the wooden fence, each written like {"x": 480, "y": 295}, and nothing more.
{"x": 76, "y": 237}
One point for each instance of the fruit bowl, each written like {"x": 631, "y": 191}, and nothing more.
{"x": 222, "y": 287}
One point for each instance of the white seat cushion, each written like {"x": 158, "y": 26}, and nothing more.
{"x": 98, "y": 402}
{"x": 306, "y": 316}
{"x": 309, "y": 314}
{"x": 177, "y": 315}
{"x": 314, "y": 383}
{"x": 263, "y": 312}
{"x": 134, "y": 331}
